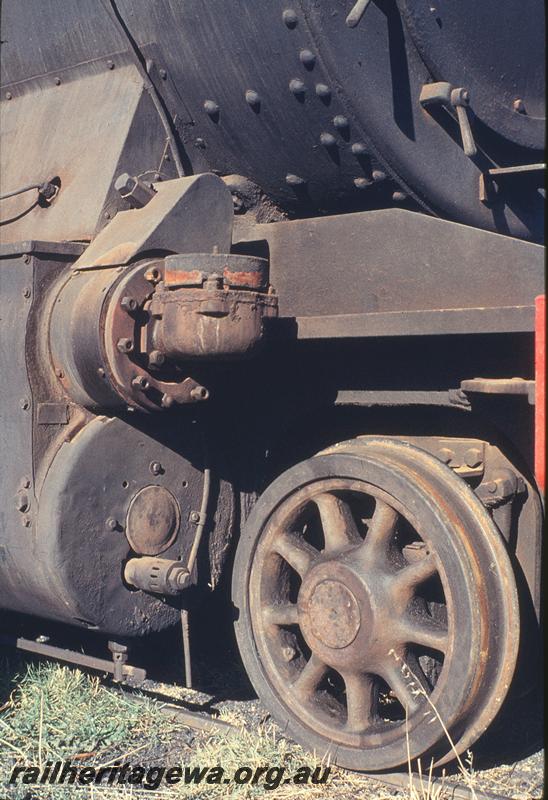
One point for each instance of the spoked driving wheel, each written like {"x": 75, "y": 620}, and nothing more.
{"x": 377, "y": 606}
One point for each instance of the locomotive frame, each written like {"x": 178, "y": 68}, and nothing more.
{"x": 193, "y": 352}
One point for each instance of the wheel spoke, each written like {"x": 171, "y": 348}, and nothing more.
{"x": 381, "y": 529}
{"x": 295, "y": 550}
{"x": 281, "y": 614}
{"x": 425, "y": 632}
{"x": 310, "y": 677}
{"x": 359, "y": 701}
{"x": 408, "y": 578}
{"x": 338, "y": 524}
{"x": 405, "y": 686}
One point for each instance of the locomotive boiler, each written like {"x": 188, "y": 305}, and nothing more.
{"x": 268, "y": 278}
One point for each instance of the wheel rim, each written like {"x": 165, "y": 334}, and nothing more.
{"x": 360, "y": 616}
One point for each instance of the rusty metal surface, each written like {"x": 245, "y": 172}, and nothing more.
{"x": 365, "y": 609}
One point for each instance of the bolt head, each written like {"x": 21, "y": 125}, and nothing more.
{"x": 129, "y": 304}
{"x": 194, "y": 516}
{"x": 290, "y": 18}
{"x": 156, "y": 358}
{"x": 124, "y": 345}
{"x": 112, "y": 523}
{"x": 519, "y": 106}
{"x": 288, "y": 653}
{"x": 156, "y": 468}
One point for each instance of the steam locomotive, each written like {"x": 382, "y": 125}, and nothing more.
{"x": 268, "y": 277}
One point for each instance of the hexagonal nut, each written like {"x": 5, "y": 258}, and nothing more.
{"x": 125, "y": 345}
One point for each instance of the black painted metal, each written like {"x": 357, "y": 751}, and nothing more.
{"x": 343, "y": 100}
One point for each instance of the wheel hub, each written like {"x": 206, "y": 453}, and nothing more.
{"x": 334, "y": 614}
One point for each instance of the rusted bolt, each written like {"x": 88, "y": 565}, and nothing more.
{"x": 124, "y": 345}
{"x": 140, "y": 382}
{"x": 156, "y": 468}
{"x": 472, "y": 457}
{"x": 194, "y": 516}
{"x": 519, "y": 106}
{"x": 156, "y": 358}
{"x": 112, "y": 523}
{"x": 446, "y": 455}
{"x": 24, "y": 403}
{"x": 152, "y": 275}
{"x": 22, "y": 502}
{"x": 26, "y": 292}
{"x": 129, "y": 304}
{"x": 199, "y": 393}
{"x": 288, "y": 653}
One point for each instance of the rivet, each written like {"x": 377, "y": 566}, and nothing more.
{"x": 340, "y": 122}
{"x": 327, "y": 139}
{"x": 24, "y": 403}
{"x": 359, "y": 149}
{"x": 378, "y": 175}
{"x": 211, "y": 108}
{"x": 26, "y": 258}
{"x": 110, "y": 64}
{"x": 101, "y": 372}
{"x": 156, "y": 358}
{"x": 290, "y": 18}
{"x": 57, "y": 81}
{"x": 294, "y": 180}
{"x": 472, "y": 457}
{"x": 8, "y": 95}
{"x": 25, "y": 483}
{"x": 323, "y": 91}
{"x": 194, "y": 516}
{"x": 156, "y": 468}
{"x": 252, "y": 98}
{"x": 129, "y": 304}
{"x": 163, "y": 74}
{"x": 446, "y": 454}
{"x": 200, "y": 143}
{"x": 519, "y": 106}
{"x": 307, "y": 58}
{"x": 399, "y": 197}
{"x": 362, "y": 183}
{"x": 112, "y": 523}
{"x": 27, "y": 522}
{"x": 296, "y": 86}
{"x": 107, "y": 214}
{"x": 26, "y": 292}
{"x": 59, "y": 373}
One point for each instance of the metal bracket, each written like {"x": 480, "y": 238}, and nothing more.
{"x": 489, "y": 181}
{"x": 451, "y": 98}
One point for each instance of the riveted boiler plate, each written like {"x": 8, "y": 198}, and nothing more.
{"x": 496, "y": 50}
{"x": 152, "y": 520}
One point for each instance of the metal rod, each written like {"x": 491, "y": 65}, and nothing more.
{"x": 21, "y": 190}
{"x": 185, "y": 630}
